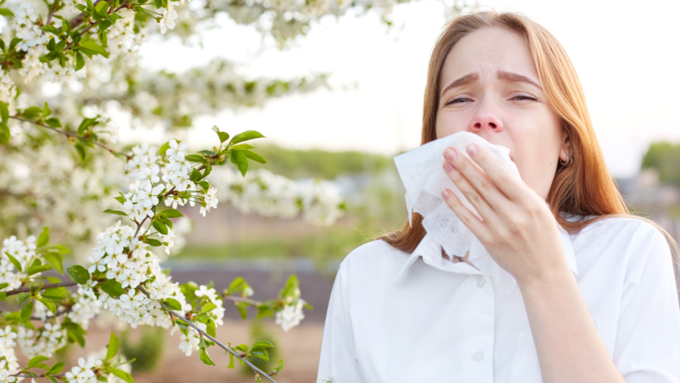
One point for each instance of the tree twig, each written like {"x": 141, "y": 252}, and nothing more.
{"x": 59, "y": 313}
{"x": 71, "y": 135}
{"x": 210, "y": 337}
{"x": 43, "y": 287}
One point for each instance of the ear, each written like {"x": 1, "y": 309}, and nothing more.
{"x": 566, "y": 150}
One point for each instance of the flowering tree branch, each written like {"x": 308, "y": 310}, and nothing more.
{"x": 71, "y": 135}
{"x": 43, "y": 287}
{"x": 203, "y": 333}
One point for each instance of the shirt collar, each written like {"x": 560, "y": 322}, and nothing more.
{"x": 432, "y": 255}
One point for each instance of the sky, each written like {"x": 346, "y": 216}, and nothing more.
{"x": 627, "y": 55}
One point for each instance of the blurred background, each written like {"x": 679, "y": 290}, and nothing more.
{"x": 357, "y": 102}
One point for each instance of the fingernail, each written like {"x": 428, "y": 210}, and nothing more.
{"x": 446, "y": 194}
{"x": 450, "y": 154}
{"x": 448, "y": 167}
{"x": 472, "y": 149}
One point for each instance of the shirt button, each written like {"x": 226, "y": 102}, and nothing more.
{"x": 480, "y": 282}
{"x": 477, "y": 356}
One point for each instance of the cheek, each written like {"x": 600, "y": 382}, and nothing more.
{"x": 448, "y": 123}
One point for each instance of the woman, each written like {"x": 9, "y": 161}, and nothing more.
{"x": 595, "y": 298}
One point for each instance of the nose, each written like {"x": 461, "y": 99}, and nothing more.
{"x": 486, "y": 120}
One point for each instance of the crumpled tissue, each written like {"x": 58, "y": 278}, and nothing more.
{"x": 421, "y": 170}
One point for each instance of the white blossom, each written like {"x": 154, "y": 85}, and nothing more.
{"x": 168, "y": 19}
{"x": 290, "y": 316}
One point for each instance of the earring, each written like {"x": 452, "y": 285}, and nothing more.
{"x": 567, "y": 163}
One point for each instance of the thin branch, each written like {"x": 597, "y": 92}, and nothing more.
{"x": 58, "y": 314}
{"x": 210, "y": 337}
{"x": 71, "y": 135}
{"x": 77, "y": 20}
{"x": 239, "y": 299}
{"x": 51, "y": 13}
{"x": 43, "y": 287}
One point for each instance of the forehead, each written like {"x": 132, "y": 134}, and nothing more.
{"x": 487, "y": 51}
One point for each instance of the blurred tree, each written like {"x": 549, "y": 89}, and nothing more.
{"x": 318, "y": 163}
{"x": 664, "y": 157}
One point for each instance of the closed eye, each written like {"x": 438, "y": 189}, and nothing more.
{"x": 521, "y": 97}
{"x": 457, "y": 100}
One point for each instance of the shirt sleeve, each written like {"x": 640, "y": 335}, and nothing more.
{"x": 648, "y": 336}
{"x": 338, "y": 363}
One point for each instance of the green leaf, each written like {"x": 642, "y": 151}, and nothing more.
{"x": 3, "y": 285}
{"x": 6, "y": 12}
{"x": 53, "y": 122}
{"x": 5, "y": 134}
{"x": 164, "y": 148}
{"x": 26, "y": 311}
{"x": 239, "y": 159}
{"x": 36, "y": 360}
{"x": 61, "y": 249}
{"x": 112, "y": 350}
{"x": 78, "y": 274}
{"x": 37, "y": 269}
{"x": 231, "y": 360}
{"x": 102, "y": 7}
{"x": 81, "y": 151}
{"x": 242, "y": 147}
{"x": 122, "y": 374}
{"x": 245, "y": 136}
{"x": 49, "y": 304}
{"x": 23, "y": 297}
{"x": 46, "y": 111}
{"x": 211, "y": 328}
{"x": 254, "y": 156}
{"x": 54, "y": 293}
{"x": 262, "y": 344}
{"x": 160, "y": 227}
{"x": 91, "y": 48}
{"x": 241, "y": 307}
{"x": 223, "y": 136}
{"x": 172, "y": 304}
{"x": 109, "y": 211}
{"x": 153, "y": 242}
{"x": 32, "y": 113}
{"x": 113, "y": 288}
{"x": 262, "y": 354}
{"x": 208, "y": 307}
{"x": 80, "y": 61}
{"x": 56, "y": 368}
{"x": 44, "y": 237}
{"x": 14, "y": 261}
{"x": 205, "y": 358}
{"x": 4, "y": 112}
{"x": 172, "y": 213}
{"x": 195, "y": 158}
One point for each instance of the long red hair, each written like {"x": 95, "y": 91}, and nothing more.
{"x": 584, "y": 187}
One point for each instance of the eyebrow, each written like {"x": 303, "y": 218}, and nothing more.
{"x": 503, "y": 75}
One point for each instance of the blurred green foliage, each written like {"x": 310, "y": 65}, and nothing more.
{"x": 664, "y": 157}
{"x": 323, "y": 164}
{"x": 148, "y": 351}
{"x": 259, "y": 332}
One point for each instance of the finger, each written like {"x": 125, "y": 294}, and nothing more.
{"x": 508, "y": 184}
{"x": 475, "y": 199}
{"x": 469, "y": 219}
{"x": 479, "y": 180}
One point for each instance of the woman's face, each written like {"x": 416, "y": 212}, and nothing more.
{"x": 491, "y": 88}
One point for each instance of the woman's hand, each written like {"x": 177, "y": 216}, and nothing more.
{"x": 518, "y": 229}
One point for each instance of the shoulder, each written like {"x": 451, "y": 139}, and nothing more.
{"x": 371, "y": 263}
{"x": 626, "y": 230}
{"x": 371, "y": 252}
{"x": 630, "y": 242}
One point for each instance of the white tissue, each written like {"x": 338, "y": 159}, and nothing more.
{"x": 421, "y": 171}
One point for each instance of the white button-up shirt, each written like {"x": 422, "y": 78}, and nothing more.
{"x": 397, "y": 317}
